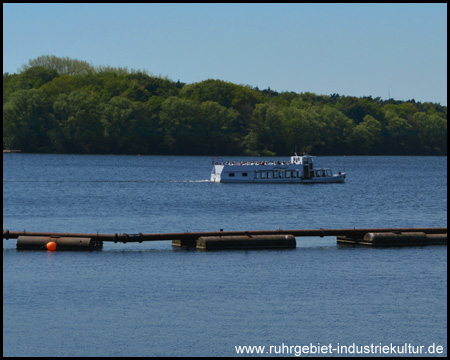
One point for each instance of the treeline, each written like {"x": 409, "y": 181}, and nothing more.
{"x": 62, "y": 105}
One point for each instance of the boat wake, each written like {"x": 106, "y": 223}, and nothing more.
{"x": 195, "y": 181}
{"x": 107, "y": 181}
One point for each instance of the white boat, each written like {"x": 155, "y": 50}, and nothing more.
{"x": 300, "y": 169}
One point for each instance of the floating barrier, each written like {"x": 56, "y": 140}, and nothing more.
{"x": 238, "y": 242}
{"x": 437, "y": 239}
{"x": 395, "y": 239}
{"x": 125, "y": 238}
{"x": 187, "y": 243}
{"x": 232, "y": 239}
{"x": 33, "y": 242}
{"x": 246, "y": 242}
{"x": 57, "y": 244}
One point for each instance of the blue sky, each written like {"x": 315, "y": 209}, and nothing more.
{"x": 349, "y": 49}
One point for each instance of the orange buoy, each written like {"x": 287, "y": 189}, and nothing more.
{"x": 51, "y": 246}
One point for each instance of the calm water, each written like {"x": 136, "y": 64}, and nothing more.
{"x": 154, "y": 300}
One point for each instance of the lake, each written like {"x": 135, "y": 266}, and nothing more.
{"x": 151, "y": 299}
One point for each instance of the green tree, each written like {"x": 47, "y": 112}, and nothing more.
{"x": 357, "y": 108}
{"x": 136, "y": 92}
{"x": 67, "y": 105}
{"x": 62, "y": 65}
{"x": 366, "y": 134}
{"x": 218, "y": 130}
{"x": 398, "y": 131}
{"x": 198, "y": 129}
{"x": 433, "y": 133}
{"x": 79, "y": 117}
{"x": 241, "y": 98}
{"x": 404, "y": 110}
{"x": 178, "y": 119}
{"x": 300, "y": 129}
{"x": 27, "y": 121}
{"x": 63, "y": 84}
{"x": 334, "y": 130}
{"x": 265, "y": 136}
{"x": 128, "y": 127}
{"x": 32, "y": 78}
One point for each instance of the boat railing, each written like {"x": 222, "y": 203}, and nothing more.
{"x": 256, "y": 163}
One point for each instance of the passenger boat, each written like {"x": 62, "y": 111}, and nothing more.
{"x": 300, "y": 169}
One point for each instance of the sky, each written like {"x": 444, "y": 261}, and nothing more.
{"x": 379, "y": 50}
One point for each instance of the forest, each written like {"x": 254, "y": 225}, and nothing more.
{"x": 64, "y": 105}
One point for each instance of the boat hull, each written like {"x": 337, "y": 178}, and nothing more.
{"x": 323, "y": 180}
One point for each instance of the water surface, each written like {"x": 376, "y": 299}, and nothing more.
{"x": 154, "y": 300}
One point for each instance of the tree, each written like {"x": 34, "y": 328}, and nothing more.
{"x": 217, "y": 130}
{"x": 79, "y": 108}
{"x": 356, "y": 109}
{"x": 404, "y": 110}
{"x": 433, "y": 133}
{"x": 32, "y": 78}
{"x": 62, "y": 65}
{"x": 366, "y": 134}
{"x": 241, "y": 98}
{"x": 300, "y": 129}
{"x": 265, "y": 136}
{"x": 178, "y": 119}
{"x": 397, "y": 130}
{"x": 79, "y": 116}
{"x": 128, "y": 127}
{"x": 334, "y": 130}
{"x": 27, "y": 121}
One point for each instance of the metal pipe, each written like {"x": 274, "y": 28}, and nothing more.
{"x": 355, "y": 233}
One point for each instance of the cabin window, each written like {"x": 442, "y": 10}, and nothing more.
{"x": 282, "y": 174}
{"x": 269, "y": 174}
{"x": 231, "y": 174}
{"x": 288, "y": 174}
{"x": 275, "y": 174}
{"x": 263, "y": 174}
{"x": 257, "y": 175}
{"x": 293, "y": 174}
{"x": 244, "y": 174}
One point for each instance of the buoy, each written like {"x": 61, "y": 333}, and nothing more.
{"x": 51, "y": 246}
